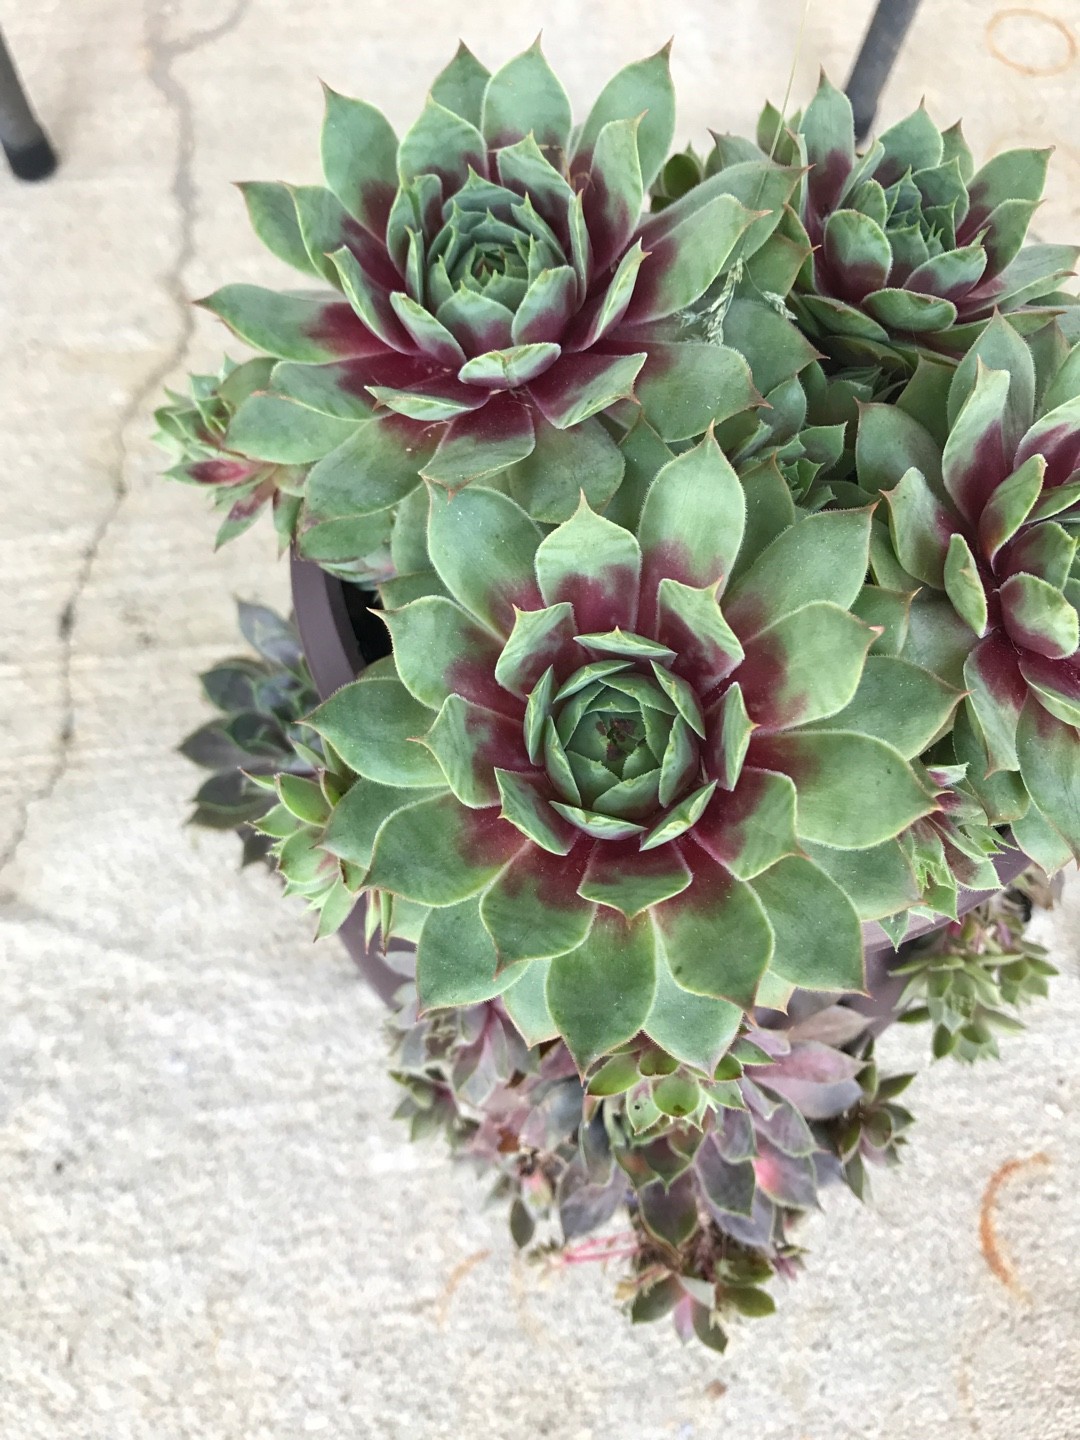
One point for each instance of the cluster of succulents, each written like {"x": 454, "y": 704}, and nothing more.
{"x": 722, "y": 513}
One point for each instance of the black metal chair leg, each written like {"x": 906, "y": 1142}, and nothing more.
{"x": 25, "y": 143}
{"x": 890, "y": 23}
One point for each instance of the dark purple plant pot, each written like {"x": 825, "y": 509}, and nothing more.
{"x": 338, "y": 644}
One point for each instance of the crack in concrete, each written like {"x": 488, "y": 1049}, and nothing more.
{"x": 163, "y": 54}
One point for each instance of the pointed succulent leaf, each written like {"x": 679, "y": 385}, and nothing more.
{"x": 691, "y": 623}
{"x": 480, "y": 444}
{"x": 898, "y": 702}
{"x": 687, "y": 385}
{"x": 375, "y": 725}
{"x": 999, "y": 347}
{"x": 468, "y": 741}
{"x": 888, "y": 612}
{"x": 1038, "y": 617}
{"x": 628, "y": 879}
{"x": 509, "y": 368}
{"x": 858, "y": 248}
{"x": 964, "y": 585}
{"x": 974, "y": 462}
{"x": 530, "y": 812}
{"x": 524, "y": 98}
{"x": 818, "y": 937}
{"x": 752, "y": 826}
{"x": 1047, "y": 750}
{"x": 456, "y": 963}
{"x": 460, "y": 85}
{"x": 547, "y": 305}
{"x": 359, "y": 159}
{"x": 694, "y": 1029}
{"x": 357, "y": 816}
{"x": 888, "y": 444}
{"x": 715, "y": 935}
{"x": 642, "y": 87}
{"x": 686, "y": 252}
{"x": 443, "y": 144}
{"x": 595, "y": 566}
{"x": 692, "y": 520}
{"x": 293, "y": 327}
{"x": 563, "y": 465}
{"x": 462, "y": 850}
{"x": 479, "y": 521}
{"x": 271, "y": 427}
{"x": 614, "y": 199}
{"x": 823, "y": 557}
{"x": 583, "y": 385}
{"x": 601, "y": 993}
{"x": 440, "y": 650}
{"x": 878, "y": 881}
{"x": 853, "y": 790}
{"x": 537, "y": 639}
{"x": 273, "y": 218}
{"x": 533, "y": 911}
{"x": 371, "y": 470}
{"x": 1010, "y": 505}
{"x": 371, "y": 303}
{"x": 921, "y": 528}
{"x": 804, "y": 667}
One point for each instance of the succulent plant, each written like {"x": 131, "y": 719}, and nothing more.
{"x": 259, "y": 734}
{"x": 497, "y": 291}
{"x": 962, "y": 977}
{"x": 913, "y": 248}
{"x": 195, "y": 429}
{"x": 982, "y": 483}
{"x": 638, "y": 779}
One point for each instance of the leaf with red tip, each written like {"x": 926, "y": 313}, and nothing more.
{"x": 692, "y": 520}
{"x": 582, "y": 385}
{"x": 600, "y": 994}
{"x": 482, "y": 443}
{"x": 469, "y": 741}
{"x": 546, "y": 307}
{"x": 533, "y": 910}
{"x": 1055, "y": 683}
{"x": 715, "y": 935}
{"x": 921, "y": 529}
{"x": 691, "y": 624}
{"x": 615, "y": 193}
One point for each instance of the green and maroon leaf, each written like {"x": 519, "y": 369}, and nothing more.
{"x": 689, "y": 622}
{"x": 372, "y": 302}
{"x": 539, "y": 638}
{"x": 1055, "y": 683}
{"x": 964, "y": 585}
{"x": 600, "y": 994}
{"x": 359, "y": 159}
{"x": 751, "y": 826}
{"x": 921, "y": 529}
{"x": 532, "y": 911}
{"x": 1010, "y": 505}
{"x": 1012, "y": 175}
{"x": 643, "y": 88}
{"x": 818, "y": 935}
{"x": 596, "y": 567}
{"x": 687, "y": 245}
{"x": 889, "y": 442}
{"x": 293, "y": 327}
{"x": 1038, "y": 617}
{"x": 855, "y": 254}
{"x": 439, "y": 852}
{"x": 1048, "y": 751}
{"x": 358, "y": 815}
{"x": 272, "y": 427}
{"x": 526, "y": 804}
{"x": 853, "y": 790}
{"x": 603, "y": 311}
{"x": 623, "y": 877}
{"x": 440, "y": 650}
{"x": 430, "y": 401}
{"x": 879, "y": 881}
{"x": 526, "y": 97}
{"x": 578, "y": 386}
{"x": 477, "y": 522}
{"x": 477, "y": 322}
{"x": 828, "y": 130}
{"x": 546, "y": 306}
{"x": 691, "y": 523}
{"x": 1057, "y": 437}
{"x": 482, "y": 443}
{"x": 1044, "y": 842}
{"x": 614, "y": 196}
{"x": 975, "y": 461}
{"x": 950, "y": 276}
{"x": 443, "y": 144}
{"x": 469, "y": 741}
{"x": 373, "y": 469}
{"x": 804, "y": 667}
{"x": 273, "y": 218}
{"x": 715, "y": 935}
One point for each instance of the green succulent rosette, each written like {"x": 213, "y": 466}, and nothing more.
{"x": 637, "y": 777}
{"x": 980, "y": 469}
{"x": 496, "y": 290}
{"x": 913, "y": 247}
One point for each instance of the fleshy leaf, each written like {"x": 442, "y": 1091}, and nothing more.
{"x": 481, "y": 443}
{"x": 483, "y": 522}
{"x": 624, "y": 878}
{"x": 964, "y": 585}
{"x": 644, "y": 86}
{"x": 456, "y": 963}
{"x": 693, "y": 1028}
{"x": 898, "y": 702}
{"x": 715, "y": 935}
{"x": 524, "y": 98}
{"x": 823, "y": 557}
{"x": 594, "y": 565}
{"x": 583, "y": 385}
{"x": 692, "y": 520}
{"x": 440, "y": 853}
{"x": 440, "y": 650}
{"x": 752, "y": 826}
{"x": 1048, "y": 749}
{"x": 359, "y": 159}
{"x": 468, "y": 742}
{"x": 532, "y": 910}
{"x": 601, "y": 993}
{"x": 818, "y": 943}
{"x": 374, "y": 725}
{"x": 804, "y": 667}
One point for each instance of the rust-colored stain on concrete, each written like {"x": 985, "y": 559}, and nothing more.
{"x": 454, "y": 1280}
{"x": 1006, "y": 24}
{"x": 716, "y": 1390}
{"x": 993, "y": 1254}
